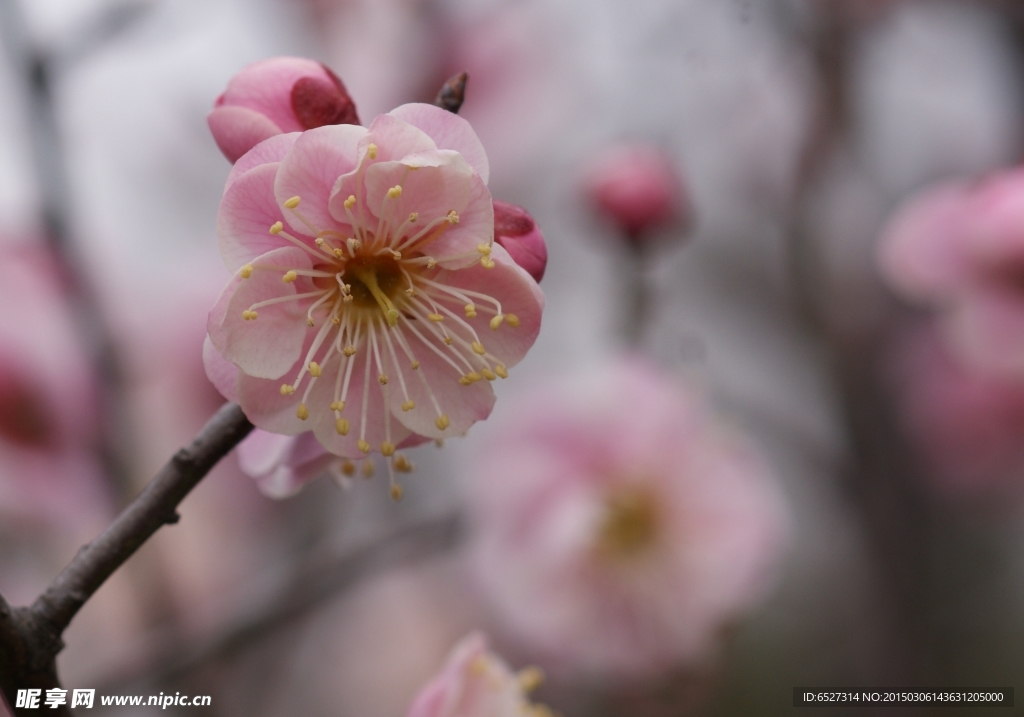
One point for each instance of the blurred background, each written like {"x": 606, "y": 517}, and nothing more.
{"x": 798, "y": 129}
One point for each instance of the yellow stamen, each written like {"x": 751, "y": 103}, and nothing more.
{"x": 302, "y": 413}
{"x": 363, "y": 445}
{"x": 349, "y": 351}
{"x": 350, "y": 202}
{"x": 484, "y": 249}
{"x": 487, "y": 262}
{"x": 414, "y": 365}
{"x": 470, "y": 311}
{"x": 435, "y": 317}
{"x": 408, "y": 405}
{"x": 442, "y": 422}
{"x": 387, "y": 448}
{"x": 372, "y": 151}
{"x": 287, "y": 389}
{"x": 496, "y": 321}
{"x": 402, "y": 464}
{"x": 488, "y": 374}
{"x": 310, "y": 322}
{"x": 337, "y": 405}
{"x": 383, "y": 379}
{"x": 348, "y": 468}
{"x": 413, "y": 217}
{"x": 395, "y": 192}
{"x": 501, "y": 370}
{"x": 453, "y": 217}
{"x": 249, "y": 315}
{"x": 290, "y": 276}
{"x": 314, "y": 369}
{"x": 276, "y": 228}
{"x": 530, "y": 678}
{"x": 367, "y": 470}
{"x": 464, "y": 380}
{"x": 473, "y": 376}
{"x": 341, "y": 426}
{"x": 246, "y": 271}
{"x": 292, "y": 203}
{"x": 478, "y": 348}
{"x": 512, "y": 320}
{"x": 396, "y": 492}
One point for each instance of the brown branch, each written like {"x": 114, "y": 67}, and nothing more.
{"x": 453, "y": 93}
{"x": 30, "y": 638}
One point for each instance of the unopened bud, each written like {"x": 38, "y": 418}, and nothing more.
{"x": 515, "y": 230}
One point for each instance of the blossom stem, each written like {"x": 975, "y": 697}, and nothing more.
{"x": 30, "y": 638}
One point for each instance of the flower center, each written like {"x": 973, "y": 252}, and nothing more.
{"x": 630, "y": 523}
{"x": 374, "y": 280}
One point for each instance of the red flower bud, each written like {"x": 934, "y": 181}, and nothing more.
{"x": 516, "y": 231}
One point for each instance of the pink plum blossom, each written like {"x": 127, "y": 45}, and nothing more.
{"x": 48, "y": 403}
{"x": 959, "y": 249}
{"x": 477, "y": 683}
{"x": 515, "y": 230}
{"x": 618, "y": 528}
{"x": 369, "y": 302}
{"x": 282, "y": 94}
{"x": 638, "y": 188}
{"x": 965, "y": 425}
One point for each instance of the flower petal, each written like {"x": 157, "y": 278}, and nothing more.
{"x": 236, "y": 130}
{"x": 270, "y": 150}
{"x": 247, "y": 211}
{"x": 222, "y": 373}
{"x": 322, "y": 419}
{"x": 268, "y": 346}
{"x": 463, "y": 405}
{"x": 518, "y": 294}
{"x": 449, "y": 131}
{"x": 310, "y": 170}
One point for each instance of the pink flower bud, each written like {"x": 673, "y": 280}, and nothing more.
{"x": 516, "y": 231}
{"x": 637, "y": 187}
{"x": 283, "y": 94}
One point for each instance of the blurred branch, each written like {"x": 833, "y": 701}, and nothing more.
{"x": 30, "y": 638}
{"x": 452, "y": 93}
{"x": 37, "y": 69}
{"x": 313, "y": 584}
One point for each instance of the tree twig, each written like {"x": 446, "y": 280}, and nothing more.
{"x": 30, "y": 638}
{"x": 452, "y": 93}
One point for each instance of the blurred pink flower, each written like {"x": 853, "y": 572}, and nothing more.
{"x": 477, "y": 683}
{"x": 618, "y": 528}
{"x": 965, "y": 425}
{"x": 282, "y": 94}
{"x": 515, "y": 230}
{"x": 328, "y": 233}
{"x": 48, "y": 404}
{"x": 638, "y": 188}
{"x": 959, "y": 248}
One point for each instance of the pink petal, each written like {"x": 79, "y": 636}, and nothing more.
{"x": 247, "y": 211}
{"x": 310, "y": 170}
{"x": 268, "y": 346}
{"x": 222, "y": 373}
{"x": 987, "y": 330}
{"x": 475, "y": 227}
{"x": 266, "y": 87}
{"x": 925, "y": 250}
{"x": 236, "y": 130}
{"x": 267, "y": 408}
{"x": 518, "y": 294}
{"x": 270, "y": 150}
{"x": 449, "y": 131}
{"x": 396, "y": 139}
{"x": 261, "y": 452}
{"x": 322, "y": 419}
{"x": 464, "y": 405}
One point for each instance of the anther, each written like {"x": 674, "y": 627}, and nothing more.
{"x": 367, "y": 469}
{"x": 310, "y": 323}
{"x": 487, "y": 262}
{"x": 431, "y": 262}
{"x": 464, "y": 380}
{"x": 402, "y": 464}
{"x": 246, "y": 271}
{"x": 408, "y": 405}
{"x": 336, "y": 321}
{"x": 442, "y": 422}
{"x": 353, "y": 243}
{"x": 302, "y": 413}
{"x": 484, "y": 249}
{"x": 337, "y": 405}
{"x": 410, "y": 292}
{"x": 496, "y": 321}
{"x": 290, "y": 276}
{"x": 383, "y": 379}
{"x": 530, "y": 679}
{"x": 341, "y": 426}
{"x": 396, "y": 255}
{"x": 372, "y": 150}
{"x": 435, "y": 317}
{"x": 338, "y": 254}
{"x": 395, "y": 192}
{"x": 349, "y": 351}
{"x": 396, "y": 492}
{"x": 348, "y": 468}
{"x": 387, "y": 448}
{"x": 470, "y": 311}
{"x": 478, "y": 348}
{"x": 512, "y": 320}
{"x": 292, "y": 203}
{"x": 488, "y": 374}
{"x": 249, "y": 315}
{"x": 447, "y": 340}
{"x": 453, "y": 217}
{"x": 276, "y": 228}
{"x": 414, "y": 365}
{"x": 413, "y": 217}
{"x": 287, "y": 389}
{"x": 319, "y": 241}
{"x": 363, "y": 445}
{"x": 473, "y": 376}
{"x": 392, "y": 317}
{"x": 501, "y": 370}
{"x": 314, "y": 369}
{"x": 350, "y": 202}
